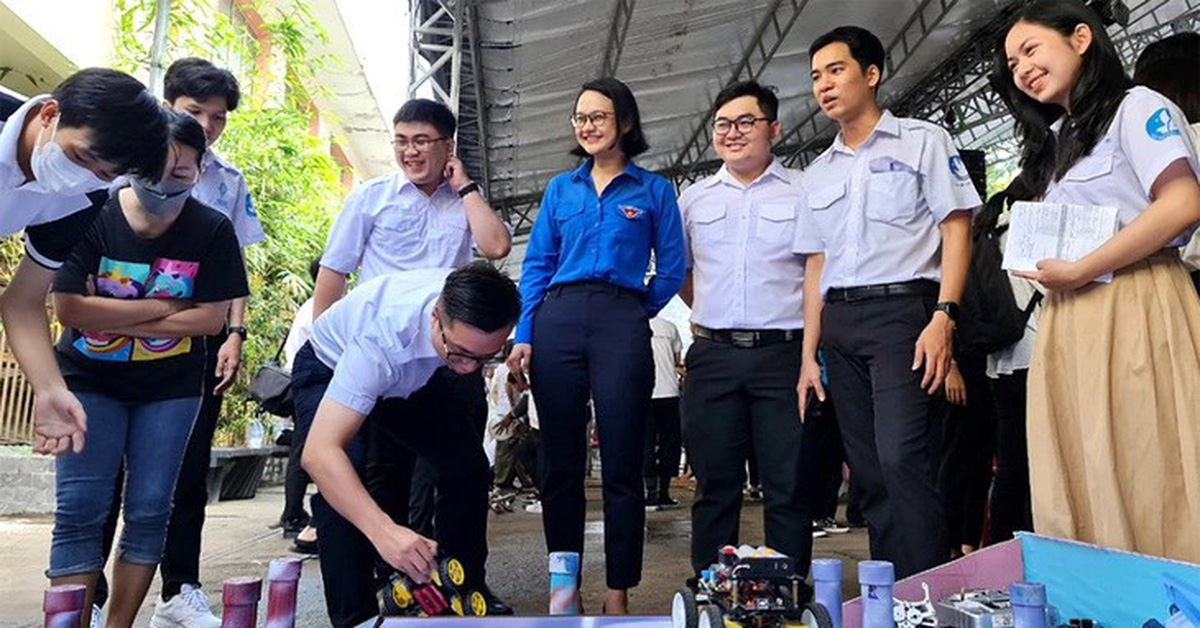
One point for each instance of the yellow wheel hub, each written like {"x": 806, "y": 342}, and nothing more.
{"x": 401, "y": 595}
{"x": 454, "y": 570}
{"x": 478, "y": 604}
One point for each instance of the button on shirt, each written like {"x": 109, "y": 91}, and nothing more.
{"x": 223, "y": 188}
{"x": 378, "y": 339}
{"x": 744, "y": 273}
{"x": 25, "y": 204}
{"x": 579, "y": 236}
{"x": 389, "y": 225}
{"x": 875, "y": 211}
{"x": 1147, "y": 134}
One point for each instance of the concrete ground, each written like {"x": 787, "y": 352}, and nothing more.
{"x": 238, "y": 542}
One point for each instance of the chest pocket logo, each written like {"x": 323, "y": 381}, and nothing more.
{"x": 1160, "y": 125}
{"x": 631, "y": 212}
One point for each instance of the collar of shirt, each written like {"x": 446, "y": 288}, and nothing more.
{"x": 584, "y": 171}
{"x": 404, "y": 186}
{"x": 774, "y": 170}
{"x": 10, "y": 137}
{"x": 887, "y": 124}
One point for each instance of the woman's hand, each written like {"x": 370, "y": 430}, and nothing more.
{"x": 1057, "y": 275}
{"x": 956, "y": 386}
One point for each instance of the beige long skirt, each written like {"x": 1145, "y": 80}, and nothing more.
{"x": 1114, "y": 413}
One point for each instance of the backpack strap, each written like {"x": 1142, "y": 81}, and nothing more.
{"x": 1033, "y": 303}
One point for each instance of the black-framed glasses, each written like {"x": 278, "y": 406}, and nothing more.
{"x": 459, "y": 358}
{"x": 744, "y": 124}
{"x": 420, "y": 142}
{"x": 597, "y": 118}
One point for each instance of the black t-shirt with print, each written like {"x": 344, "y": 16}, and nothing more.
{"x": 198, "y": 259}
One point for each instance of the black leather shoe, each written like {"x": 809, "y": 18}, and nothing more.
{"x": 495, "y": 605}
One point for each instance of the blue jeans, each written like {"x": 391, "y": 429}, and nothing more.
{"x": 150, "y": 437}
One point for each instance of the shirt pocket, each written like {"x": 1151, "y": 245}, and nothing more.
{"x": 709, "y": 223}
{"x": 893, "y": 191}
{"x": 824, "y": 204}
{"x": 633, "y": 221}
{"x": 399, "y": 227}
{"x": 776, "y": 223}
{"x": 1090, "y": 168}
{"x": 569, "y": 220}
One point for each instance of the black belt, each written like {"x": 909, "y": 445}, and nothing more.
{"x": 747, "y": 338}
{"x": 591, "y": 286}
{"x": 919, "y": 287}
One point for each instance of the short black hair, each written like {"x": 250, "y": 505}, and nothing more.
{"x": 633, "y": 142}
{"x": 200, "y": 79}
{"x": 767, "y": 100}
{"x": 1171, "y": 67}
{"x": 864, "y": 46}
{"x": 126, "y": 123}
{"x": 188, "y": 131}
{"x": 430, "y": 112}
{"x": 481, "y": 296}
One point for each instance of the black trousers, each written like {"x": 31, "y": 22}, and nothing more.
{"x": 295, "y": 484}
{"x": 823, "y": 446}
{"x": 664, "y": 441}
{"x": 180, "y": 563}
{"x": 1010, "y": 505}
{"x": 738, "y": 400}
{"x": 968, "y": 444}
{"x": 430, "y": 423}
{"x": 891, "y": 428}
{"x": 592, "y": 340}
{"x": 421, "y": 500}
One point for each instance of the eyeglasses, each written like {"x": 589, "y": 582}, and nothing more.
{"x": 458, "y": 358}
{"x": 597, "y": 118}
{"x": 420, "y": 142}
{"x": 744, "y": 124}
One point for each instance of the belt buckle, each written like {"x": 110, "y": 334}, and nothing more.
{"x": 742, "y": 339}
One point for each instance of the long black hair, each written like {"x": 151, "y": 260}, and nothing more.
{"x": 632, "y": 142}
{"x": 1095, "y": 96}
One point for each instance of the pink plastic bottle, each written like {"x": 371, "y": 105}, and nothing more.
{"x": 240, "y": 597}
{"x": 283, "y": 580}
{"x": 63, "y": 605}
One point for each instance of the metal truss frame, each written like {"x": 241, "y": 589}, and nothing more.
{"x": 622, "y": 15}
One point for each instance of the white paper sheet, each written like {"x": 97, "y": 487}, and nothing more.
{"x": 1039, "y": 231}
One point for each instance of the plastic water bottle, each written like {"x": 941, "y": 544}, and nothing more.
{"x": 564, "y": 583}
{"x": 63, "y": 605}
{"x": 284, "y": 580}
{"x": 827, "y": 587}
{"x": 256, "y": 434}
{"x": 877, "y": 578}
{"x": 240, "y": 596}
{"x": 1029, "y": 604}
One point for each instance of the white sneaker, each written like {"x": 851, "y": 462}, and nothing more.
{"x": 96, "y": 621}
{"x": 189, "y": 609}
{"x": 817, "y": 534}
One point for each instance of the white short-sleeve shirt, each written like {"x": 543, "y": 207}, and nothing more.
{"x": 666, "y": 344}
{"x": 875, "y": 211}
{"x": 223, "y": 188}
{"x": 389, "y": 225}
{"x": 739, "y": 248}
{"x": 1147, "y": 134}
{"x": 378, "y": 339}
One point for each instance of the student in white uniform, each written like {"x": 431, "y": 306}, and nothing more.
{"x": 1114, "y": 386}
{"x": 55, "y": 150}
{"x": 887, "y": 226}
{"x": 366, "y": 382}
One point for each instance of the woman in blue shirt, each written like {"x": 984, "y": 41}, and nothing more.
{"x": 585, "y": 315}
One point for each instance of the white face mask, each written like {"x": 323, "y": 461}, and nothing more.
{"x": 56, "y": 173}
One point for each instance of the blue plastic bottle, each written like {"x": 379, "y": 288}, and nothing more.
{"x": 1029, "y": 604}
{"x": 564, "y": 583}
{"x": 877, "y": 578}
{"x": 827, "y": 587}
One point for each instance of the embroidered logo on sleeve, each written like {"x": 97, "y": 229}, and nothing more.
{"x": 1160, "y": 126}
{"x": 958, "y": 168}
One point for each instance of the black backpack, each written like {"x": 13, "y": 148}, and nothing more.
{"x": 991, "y": 319}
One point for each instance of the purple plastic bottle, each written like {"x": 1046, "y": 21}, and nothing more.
{"x": 827, "y": 587}
{"x": 877, "y": 578}
{"x": 240, "y": 597}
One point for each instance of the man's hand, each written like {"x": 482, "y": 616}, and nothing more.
{"x": 810, "y": 379}
{"x": 229, "y": 359}
{"x": 1056, "y": 274}
{"x": 518, "y": 362}
{"x": 456, "y": 173}
{"x": 59, "y": 422}
{"x": 956, "y": 386}
{"x": 407, "y": 551}
{"x": 933, "y": 351}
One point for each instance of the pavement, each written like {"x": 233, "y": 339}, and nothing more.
{"x": 239, "y": 542}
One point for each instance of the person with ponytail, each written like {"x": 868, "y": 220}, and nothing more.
{"x": 1114, "y": 384}
{"x": 585, "y": 325}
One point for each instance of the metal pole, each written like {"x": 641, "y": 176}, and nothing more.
{"x": 162, "y": 19}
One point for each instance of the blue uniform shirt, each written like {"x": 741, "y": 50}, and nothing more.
{"x": 579, "y": 237}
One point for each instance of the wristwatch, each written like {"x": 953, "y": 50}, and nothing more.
{"x": 952, "y": 310}
{"x": 241, "y": 331}
{"x": 467, "y": 189}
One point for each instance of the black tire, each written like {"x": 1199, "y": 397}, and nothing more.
{"x": 816, "y": 616}
{"x": 684, "y": 613}
{"x": 711, "y": 616}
